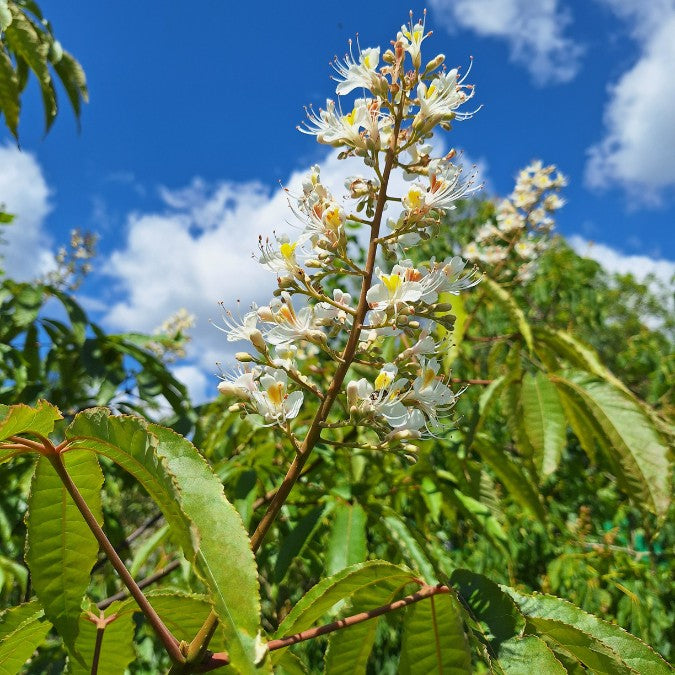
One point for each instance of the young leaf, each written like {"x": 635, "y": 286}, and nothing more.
{"x": 434, "y": 640}
{"x": 487, "y": 603}
{"x": 349, "y": 649}
{"x": 347, "y": 543}
{"x": 22, "y": 630}
{"x": 633, "y": 651}
{"x": 638, "y": 453}
{"x": 60, "y": 548}
{"x": 544, "y": 421}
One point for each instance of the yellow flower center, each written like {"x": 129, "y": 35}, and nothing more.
{"x": 382, "y": 380}
{"x": 427, "y": 377}
{"x": 275, "y": 392}
{"x": 414, "y": 198}
{"x": 287, "y": 250}
{"x": 391, "y": 282}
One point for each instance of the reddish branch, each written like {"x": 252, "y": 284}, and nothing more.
{"x": 221, "y": 659}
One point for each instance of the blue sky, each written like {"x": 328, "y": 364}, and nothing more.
{"x": 192, "y": 121}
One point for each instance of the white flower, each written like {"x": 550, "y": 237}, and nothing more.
{"x": 472, "y": 252}
{"x": 447, "y": 277}
{"x": 383, "y": 399}
{"x": 272, "y": 401}
{"x": 242, "y": 329}
{"x": 429, "y": 394}
{"x": 493, "y": 254}
{"x": 281, "y": 260}
{"x": 525, "y": 249}
{"x": 289, "y": 326}
{"x": 444, "y": 189}
{"x": 240, "y": 384}
{"x": 439, "y": 101}
{"x": 396, "y": 290}
{"x": 411, "y": 37}
{"x": 357, "y": 74}
{"x": 327, "y": 313}
{"x": 335, "y": 129}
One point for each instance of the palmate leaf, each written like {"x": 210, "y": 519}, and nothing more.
{"x": 321, "y": 598}
{"x": 207, "y": 526}
{"x": 22, "y": 630}
{"x": 349, "y": 649}
{"x": 19, "y": 419}
{"x": 60, "y": 548}
{"x": 635, "y": 450}
{"x": 544, "y": 421}
{"x": 434, "y": 640}
{"x": 347, "y": 542}
{"x": 632, "y": 651}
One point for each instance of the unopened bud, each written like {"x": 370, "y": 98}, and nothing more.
{"x": 442, "y": 307}
{"x": 228, "y": 389}
{"x": 236, "y": 407}
{"x": 403, "y": 320}
{"x": 388, "y": 57}
{"x": 414, "y": 324}
{"x": 258, "y": 341}
{"x": 352, "y": 396}
{"x": 285, "y": 282}
{"x": 244, "y": 357}
{"x": 317, "y": 336}
{"x": 411, "y": 449}
{"x": 411, "y": 459}
{"x": 312, "y": 263}
{"x": 434, "y": 63}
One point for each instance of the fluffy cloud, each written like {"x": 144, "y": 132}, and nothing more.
{"x": 534, "y": 31}
{"x": 637, "y": 151}
{"x": 24, "y": 192}
{"x": 640, "y": 266}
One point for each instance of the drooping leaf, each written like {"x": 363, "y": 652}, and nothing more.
{"x": 544, "y": 421}
{"x": 434, "y": 640}
{"x": 635, "y": 449}
{"x": 349, "y": 649}
{"x": 527, "y": 655}
{"x": 410, "y": 548}
{"x": 9, "y": 91}
{"x": 512, "y": 476}
{"x": 347, "y": 543}
{"x": 22, "y": 630}
{"x": 511, "y": 306}
{"x": 633, "y": 651}
{"x": 5, "y": 15}
{"x": 72, "y": 77}
{"x": 488, "y": 604}
{"x": 60, "y": 548}
{"x": 117, "y": 646}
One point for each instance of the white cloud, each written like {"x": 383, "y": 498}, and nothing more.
{"x": 640, "y": 266}
{"x": 24, "y": 193}
{"x": 534, "y": 31}
{"x": 637, "y": 151}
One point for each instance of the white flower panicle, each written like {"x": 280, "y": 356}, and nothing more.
{"x": 520, "y": 229}
{"x": 338, "y": 310}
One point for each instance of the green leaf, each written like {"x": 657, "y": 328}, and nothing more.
{"x": 145, "y": 550}
{"x": 22, "y": 630}
{"x": 74, "y": 82}
{"x": 20, "y": 419}
{"x": 590, "y": 652}
{"x": 289, "y": 664}
{"x": 544, "y": 421}
{"x": 636, "y": 451}
{"x": 490, "y": 605}
{"x": 322, "y": 597}
{"x": 434, "y": 640}
{"x": 347, "y": 543}
{"x": 632, "y": 651}
{"x": 511, "y": 306}
{"x": 457, "y": 333}
{"x": 512, "y": 476}
{"x": 117, "y": 646}
{"x": 60, "y": 547}
{"x": 527, "y": 655}
{"x": 77, "y": 316}
{"x": 410, "y": 548}
{"x": 223, "y": 555}
{"x": 348, "y": 649}
{"x": 191, "y": 497}
{"x": 295, "y": 541}
{"x": 9, "y": 91}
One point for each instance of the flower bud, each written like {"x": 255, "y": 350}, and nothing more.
{"x": 244, "y": 357}
{"x": 352, "y": 395}
{"x": 228, "y": 389}
{"x": 414, "y": 324}
{"x": 434, "y": 63}
{"x": 258, "y": 341}
{"x": 236, "y": 407}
